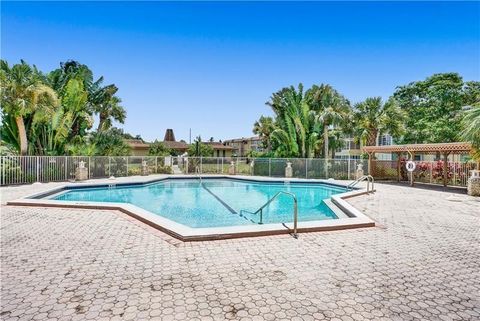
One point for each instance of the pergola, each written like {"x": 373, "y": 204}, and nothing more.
{"x": 445, "y": 149}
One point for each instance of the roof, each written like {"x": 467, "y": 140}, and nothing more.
{"x": 218, "y": 145}
{"x": 242, "y": 139}
{"x": 175, "y": 145}
{"x": 459, "y": 148}
{"x": 137, "y": 144}
{"x": 169, "y": 136}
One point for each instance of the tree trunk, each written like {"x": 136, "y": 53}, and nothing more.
{"x": 102, "y": 119}
{"x": 372, "y": 138}
{"x": 325, "y": 144}
{"x": 325, "y": 140}
{"x": 22, "y": 135}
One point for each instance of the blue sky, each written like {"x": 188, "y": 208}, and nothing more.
{"x": 212, "y": 66}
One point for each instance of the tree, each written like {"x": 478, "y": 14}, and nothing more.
{"x": 331, "y": 110}
{"x": 471, "y": 129}
{"x": 198, "y": 149}
{"x": 296, "y": 129}
{"x": 372, "y": 118}
{"x": 434, "y": 107}
{"x": 108, "y": 107}
{"x": 74, "y": 76}
{"x": 335, "y": 141}
{"x": 110, "y": 142}
{"x": 157, "y": 148}
{"x": 25, "y": 97}
{"x": 101, "y": 100}
{"x": 264, "y": 128}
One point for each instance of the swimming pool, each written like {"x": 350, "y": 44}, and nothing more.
{"x": 216, "y": 202}
{"x": 212, "y": 207}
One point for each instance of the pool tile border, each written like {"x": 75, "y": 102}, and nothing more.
{"x": 354, "y": 219}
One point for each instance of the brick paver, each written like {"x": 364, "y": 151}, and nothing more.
{"x": 421, "y": 262}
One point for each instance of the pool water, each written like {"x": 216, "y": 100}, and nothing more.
{"x": 217, "y": 202}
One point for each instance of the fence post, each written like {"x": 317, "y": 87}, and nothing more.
{"x": 269, "y": 167}
{"x": 127, "y": 166}
{"x": 90, "y": 167}
{"x": 348, "y": 167}
{"x": 201, "y": 164}
{"x": 156, "y": 164}
{"x": 38, "y": 169}
{"x": 66, "y": 168}
{"x": 109, "y": 165}
{"x": 306, "y": 168}
{"x": 222, "y": 165}
{"x": 454, "y": 172}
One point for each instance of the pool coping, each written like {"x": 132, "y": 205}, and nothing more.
{"x": 354, "y": 219}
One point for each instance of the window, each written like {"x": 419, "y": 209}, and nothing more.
{"x": 385, "y": 140}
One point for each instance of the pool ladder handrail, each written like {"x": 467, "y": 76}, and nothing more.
{"x": 368, "y": 178}
{"x": 197, "y": 173}
{"x": 295, "y": 210}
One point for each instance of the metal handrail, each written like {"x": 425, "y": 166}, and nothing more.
{"x": 197, "y": 172}
{"x": 368, "y": 178}
{"x": 295, "y": 210}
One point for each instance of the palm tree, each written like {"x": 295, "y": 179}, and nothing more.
{"x": 296, "y": 130}
{"x": 24, "y": 95}
{"x": 107, "y": 106}
{"x": 74, "y": 75}
{"x": 471, "y": 131}
{"x": 264, "y": 128}
{"x": 373, "y": 118}
{"x": 55, "y": 133}
{"x": 331, "y": 110}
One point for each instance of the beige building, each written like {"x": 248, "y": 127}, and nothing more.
{"x": 140, "y": 148}
{"x": 219, "y": 149}
{"x": 242, "y": 146}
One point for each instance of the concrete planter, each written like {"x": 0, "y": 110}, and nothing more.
{"x": 288, "y": 170}
{"x": 145, "y": 171}
{"x": 473, "y": 187}
{"x": 231, "y": 169}
{"x": 81, "y": 172}
{"x": 359, "y": 173}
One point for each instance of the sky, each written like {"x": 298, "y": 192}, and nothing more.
{"x": 212, "y": 66}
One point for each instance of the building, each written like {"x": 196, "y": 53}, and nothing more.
{"x": 219, "y": 149}
{"x": 243, "y": 146}
{"x": 350, "y": 150}
{"x": 169, "y": 141}
{"x": 353, "y": 150}
{"x": 140, "y": 148}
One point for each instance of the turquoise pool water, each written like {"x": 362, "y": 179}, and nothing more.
{"x": 219, "y": 202}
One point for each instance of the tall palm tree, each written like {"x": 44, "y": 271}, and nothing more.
{"x": 24, "y": 95}
{"x": 74, "y": 74}
{"x": 107, "y": 106}
{"x": 296, "y": 130}
{"x": 373, "y": 118}
{"x": 331, "y": 110}
{"x": 471, "y": 131}
{"x": 264, "y": 128}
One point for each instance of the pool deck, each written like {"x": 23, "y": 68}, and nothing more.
{"x": 421, "y": 261}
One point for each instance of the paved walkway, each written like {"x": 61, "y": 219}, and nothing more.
{"x": 421, "y": 262}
